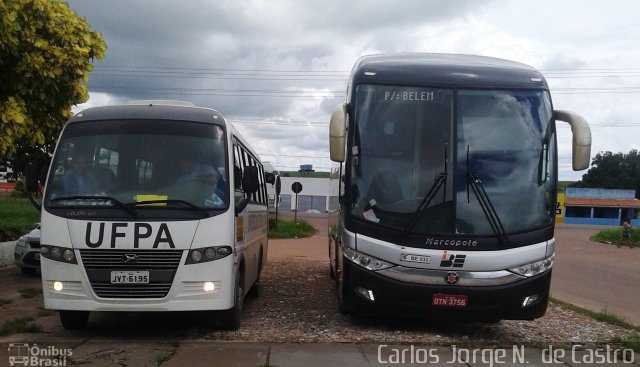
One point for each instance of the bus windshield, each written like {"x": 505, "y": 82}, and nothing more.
{"x": 139, "y": 164}
{"x": 434, "y": 161}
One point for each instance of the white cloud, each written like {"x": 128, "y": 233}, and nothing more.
{"x": 262, "y": 37}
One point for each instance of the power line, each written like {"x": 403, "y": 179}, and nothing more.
{"x": 290, "y": 123}
{"x": 292, "y": 156}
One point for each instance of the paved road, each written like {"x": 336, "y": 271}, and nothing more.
{"x": 596, "y": 276}
{"x": 228, "y": 354}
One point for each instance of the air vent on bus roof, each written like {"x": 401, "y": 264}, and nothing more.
{"x": 160, "y": 103}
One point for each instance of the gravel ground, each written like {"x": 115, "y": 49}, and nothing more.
{"x": 298, "y": 304}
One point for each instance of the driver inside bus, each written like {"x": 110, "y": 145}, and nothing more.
{"x": 194, "y": 172}
{"x": 78, "y": 179}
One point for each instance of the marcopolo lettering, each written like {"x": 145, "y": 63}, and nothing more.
{"x": 94, "y": 238}
{"x": 452, "y": 243}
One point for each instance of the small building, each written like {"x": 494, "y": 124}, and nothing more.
{"x": 315, "y": 195}
{"x": 601, "y": 206}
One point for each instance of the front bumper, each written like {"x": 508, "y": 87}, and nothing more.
{"x": 394, "y": 297}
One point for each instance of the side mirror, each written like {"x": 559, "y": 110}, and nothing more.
{"x": 269, "y": 178}
{"x": 242, "y": 204}
{"x": 250, "y": 182}
{"x": 34, "y": 177}
{"x": 278, "y": 186}
{"x": 237, "y": 177}
{"x": 337, "y": 132}
{"x": 581, "y": 154}
{"x": 250, "y": 185}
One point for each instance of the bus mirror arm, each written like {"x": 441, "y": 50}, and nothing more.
{"x": 242, "y": 204}
{"x": 581, "y": 154}
{"x": 35, "y": 175}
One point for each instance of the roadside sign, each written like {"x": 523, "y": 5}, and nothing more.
{"x": 296, "y": 187}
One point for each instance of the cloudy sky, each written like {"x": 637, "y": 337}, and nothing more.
{"x": 277, "y": 68}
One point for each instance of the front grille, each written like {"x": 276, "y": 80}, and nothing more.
{"x": 161, "y": 264}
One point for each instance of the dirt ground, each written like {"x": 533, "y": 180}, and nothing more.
{"x": 297, "y": 304}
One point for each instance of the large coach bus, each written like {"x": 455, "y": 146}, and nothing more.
{"x": 446, "y": 171}
{"x": 156, "y": 206}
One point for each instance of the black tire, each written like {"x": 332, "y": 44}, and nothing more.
{"x": 332, "y": 271}
{"x": 345, "y": 303}
{"x": 74, "y": 320}
{"x": 230, "y": 319}
{"x": 254, "y": 291}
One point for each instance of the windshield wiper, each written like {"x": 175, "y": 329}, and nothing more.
{"x": 438, "y": 182}
{"x": 115, "y": 201}
{"x": 475, "y": 182}
{"x": 204, "y": 212}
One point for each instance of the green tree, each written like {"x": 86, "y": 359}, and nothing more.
{"x": 46, "y": 51}
{"x": 613, "y": 171}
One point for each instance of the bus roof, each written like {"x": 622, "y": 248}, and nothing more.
{"x": 150, "y": 111}
{"x": 445, "y": 70}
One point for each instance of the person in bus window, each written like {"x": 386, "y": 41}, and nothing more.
{"x": 78, "y": 180}
{"x": 195, "y": 172}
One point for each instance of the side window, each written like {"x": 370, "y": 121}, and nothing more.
{"x": 237, "y": 167}
{"x": 241, "y": 159}
{"x": 263, "y": 185}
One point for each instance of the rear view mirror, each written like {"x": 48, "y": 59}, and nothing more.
{"x": 35, "y": 177}
{"x": 581, "y": 154}
{"x": 269, "y": 178}
{"x": 337, "y": 132}
{"x": 250, "y": 182}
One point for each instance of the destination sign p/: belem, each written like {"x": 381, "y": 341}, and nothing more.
{"x": 409, "y": 95}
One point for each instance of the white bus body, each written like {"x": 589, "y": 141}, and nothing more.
{"x": 446, "y": 175}
{"x": 170, "y": 214}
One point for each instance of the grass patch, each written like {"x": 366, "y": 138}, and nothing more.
{"x": 290, "y": 229}
{"x": 19, "y": 325}
{"x": 4, "y": 301}
{"x": 30, "y": 292}
{"x": 631, "y": 341}
{"x": 602, "y": 316}
{"x": 613, "y": 236}
{"x": 17, "y": 216}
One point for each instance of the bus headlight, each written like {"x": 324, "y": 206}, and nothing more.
{"x": 62, "y": 254}
{"x": 366, "y": 261}
{"x": 210, "y": 253}
{"x": 57, "y": 286}
{"x": 196, "y": 256}
{"x": 208, "y": 287}
{"x": 534, "y": 268}
{"x": 204, "y": 254}
{"x": 67, "y": 255}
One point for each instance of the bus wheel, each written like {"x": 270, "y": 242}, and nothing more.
{"x": 254, "y": 291}
{"x": 332, "y": 271}
{"x": 230, "y": 319}
{"x": 344, "y": 296}
{"x": 74, "y": 320}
